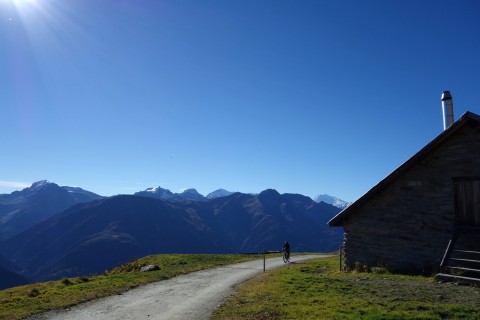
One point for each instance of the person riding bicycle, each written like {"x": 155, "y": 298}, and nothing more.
{"x": 286, "y": 248}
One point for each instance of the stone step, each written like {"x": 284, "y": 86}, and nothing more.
{"x": 466, "y": 251}
{"x": 450, "y": 277}
{"x": 462, "y": 269}
{"x": 464, "y": 260}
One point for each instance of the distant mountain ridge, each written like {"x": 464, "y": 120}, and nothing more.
{"x": 189, "y": 194}
{"x": 80, "y": 195}
{"x": 91, "y": 237}
{"x": 193, "y": 195}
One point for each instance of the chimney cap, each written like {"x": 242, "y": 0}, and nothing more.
{"x": 446, "y": 95}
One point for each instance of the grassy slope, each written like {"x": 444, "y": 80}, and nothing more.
{"x": 19, "y": 302}
{"x": 315, "y": 290}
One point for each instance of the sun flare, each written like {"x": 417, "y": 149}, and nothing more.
{"x": 24, "y": 10}
{"x": 21, "y": 2}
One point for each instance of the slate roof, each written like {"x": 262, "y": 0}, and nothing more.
{"x": 465, "y": 118}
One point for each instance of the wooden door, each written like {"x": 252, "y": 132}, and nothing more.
{"x": 467, "y": 201}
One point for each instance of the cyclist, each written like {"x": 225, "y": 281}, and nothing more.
{"x": 286, "y": 249}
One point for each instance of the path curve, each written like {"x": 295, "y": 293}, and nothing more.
{"x": 191, "y": 296}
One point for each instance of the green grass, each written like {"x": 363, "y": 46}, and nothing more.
{"x": 316, "y": 290}
{"x": 20, "y": 302}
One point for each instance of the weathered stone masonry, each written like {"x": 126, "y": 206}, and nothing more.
{"x": 406, "y": 221}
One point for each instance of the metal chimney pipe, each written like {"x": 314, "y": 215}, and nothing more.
{"x": 447, "y": 107}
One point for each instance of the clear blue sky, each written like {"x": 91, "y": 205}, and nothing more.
{"x": 308, "y": 97}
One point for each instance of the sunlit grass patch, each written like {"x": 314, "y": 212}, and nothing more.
{"x": 316, "y": 290}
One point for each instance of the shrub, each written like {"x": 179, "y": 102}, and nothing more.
{"x": 33, "y": 293}
{"x": 360, "y": 267}
{"x": 379, "y": 270}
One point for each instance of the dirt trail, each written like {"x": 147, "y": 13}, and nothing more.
{"x": 192, "y": 296}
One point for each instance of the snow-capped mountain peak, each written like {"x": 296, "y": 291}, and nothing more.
{"x": 39, "y": 184}
{"x": 339, "y": 203}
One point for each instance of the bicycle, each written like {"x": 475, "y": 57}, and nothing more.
{"x": 286, "y": 256}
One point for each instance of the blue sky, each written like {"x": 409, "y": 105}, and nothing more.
{"x": 301, "y": 96}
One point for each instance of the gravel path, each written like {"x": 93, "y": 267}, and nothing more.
{"x": 192, "y": 296}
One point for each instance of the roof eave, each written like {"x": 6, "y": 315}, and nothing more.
{"x": 337, "y": 221}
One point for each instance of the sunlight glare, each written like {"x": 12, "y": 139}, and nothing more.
{"x": 21, "y": 2}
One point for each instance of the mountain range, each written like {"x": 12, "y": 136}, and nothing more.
{"x": 93, "y": 233}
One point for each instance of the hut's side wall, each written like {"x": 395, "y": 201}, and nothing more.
{"x": 407, "y": 226}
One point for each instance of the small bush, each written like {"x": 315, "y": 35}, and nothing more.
{"x": 67, "y": 282}
{"x": 83, "y": 279}
{"x": 379, "y": 270}
{"x": 360, "y": 267}
{"x": 33, "y": 293}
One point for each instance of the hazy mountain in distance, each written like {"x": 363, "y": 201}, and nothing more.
{"x": 20, "y": 210}
{"x": 189, "y": 194}
{"x": 339, "y": 203}
{"x": 219, "y": 193}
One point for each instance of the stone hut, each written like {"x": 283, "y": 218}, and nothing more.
{"x": 407, "y": 220}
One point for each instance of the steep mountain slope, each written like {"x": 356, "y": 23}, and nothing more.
{"x": 7, "y": 264}
{"x": 298, "y": 219}
{"x": 10, "y": 279}
{"x": 8, "y": 276}
{"x": 91, "y": 237}
{"x": 22, "y": 209}
{"x": 80, "y": 195}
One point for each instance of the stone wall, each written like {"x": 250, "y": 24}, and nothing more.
{"x": 408, "y": 224}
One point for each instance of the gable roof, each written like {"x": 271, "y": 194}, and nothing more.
{"x": 465, "y": 118}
